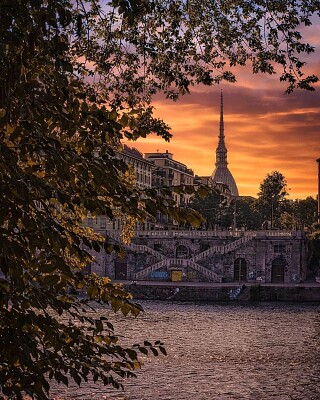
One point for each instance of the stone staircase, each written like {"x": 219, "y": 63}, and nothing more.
{"x": 221, "y": 249}
{"x": 236, "y": 244}
{"x": 173, "y": 262}
{"x": 140, "y": 248}
{"x": 205, "y": 254}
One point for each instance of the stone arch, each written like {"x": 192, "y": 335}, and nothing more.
{"x": 240, "y": 270}
{"x": 182, "y": 251}
{"x": 277, "y": 270}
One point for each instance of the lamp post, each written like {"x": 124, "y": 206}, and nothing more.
{"x": 318, "y": 213}
{"x": 235, "y": 214}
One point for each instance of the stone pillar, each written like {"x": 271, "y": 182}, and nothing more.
{"x": 260, "y": 249}
{"x": 98, "y": 266}
{"x": 295, "y": 261}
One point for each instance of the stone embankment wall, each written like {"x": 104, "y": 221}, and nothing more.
{"x": 272, "y": 256}
{"x": 225, "y": 293}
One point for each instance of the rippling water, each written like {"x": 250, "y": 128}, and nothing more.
{"x": 270, "y": 351}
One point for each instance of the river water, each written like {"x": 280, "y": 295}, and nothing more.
{"x": 227, "y": 352}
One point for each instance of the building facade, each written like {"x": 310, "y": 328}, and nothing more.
{"x": 161, "y": 251}
{"x": 212, "y": 256}
{"x": 169, "y": 172}
{"x": 142, "y": 167}
{"x": 143, "y": 171}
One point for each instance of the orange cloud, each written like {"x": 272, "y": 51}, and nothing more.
{"x": 266, "y": 130}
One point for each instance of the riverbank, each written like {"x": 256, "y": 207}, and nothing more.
{"x": 224, "y": 292}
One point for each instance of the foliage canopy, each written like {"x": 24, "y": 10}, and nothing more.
{"x": 75, "y": 78}
{"x": 271, "y": 197}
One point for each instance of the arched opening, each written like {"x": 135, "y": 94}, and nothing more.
{"x": 120, "y": 269}
{"x": 277, "y": 271}
{"x": 182, "y": 251}
{"x": 240, "y": 270}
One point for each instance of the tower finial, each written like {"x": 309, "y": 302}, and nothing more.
{"x": 221, "y": 173}
{"x": 221, "y": 134}
{"x": 221, "y": 152}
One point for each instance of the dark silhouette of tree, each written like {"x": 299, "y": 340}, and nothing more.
{"x": 271, "y": 198}
{"x": 247, "y": 215}
{"x": 213, "y": 207}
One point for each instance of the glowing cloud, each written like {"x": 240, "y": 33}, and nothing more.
{"x": 266, "y": 130}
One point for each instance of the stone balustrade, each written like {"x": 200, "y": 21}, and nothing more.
{"x": 216, "y": 233}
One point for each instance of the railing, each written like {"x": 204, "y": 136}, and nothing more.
{"x": 143, "y": 248}
{"x": 216, "y": 233}
{"x": 222, "y": 234}
{"x": 137, "y": 247}
{"x": 205, "y": 271}
{"x": 172, "y": 262}
{"x": 221, "y": 249}
{"x": 207, "y": 253}
{"x": 146, "y": 271}
{"x": 237, "y": 243}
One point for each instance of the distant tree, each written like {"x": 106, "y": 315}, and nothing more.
{"x": 305, "y": 211}
{"x": 288, "y": 221}
{"x": 271, "y": 198}
{"x": 76, "y": 77}
{"x": 213, "y": 207}
{"x": 247, "y": 215}
{"x": 315, "y": 232}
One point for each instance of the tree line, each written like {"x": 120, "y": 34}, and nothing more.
{"x": 271, "y": 209}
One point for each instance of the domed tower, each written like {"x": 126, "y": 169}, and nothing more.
{"x": 221, "y": 174}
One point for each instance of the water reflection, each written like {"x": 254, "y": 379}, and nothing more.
{"x": 220, "y": 352}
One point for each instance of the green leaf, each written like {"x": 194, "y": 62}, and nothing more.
{"x": 92, "y": 292}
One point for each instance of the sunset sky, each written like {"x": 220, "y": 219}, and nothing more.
{"x": 266, "y": 130}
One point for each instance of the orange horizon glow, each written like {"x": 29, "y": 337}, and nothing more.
{"x": 265, "y": 130}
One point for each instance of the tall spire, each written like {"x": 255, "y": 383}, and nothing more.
{"x": 221, "y": 152}
{"x": 221, "y": 174}
{"x": 221, "y": 134}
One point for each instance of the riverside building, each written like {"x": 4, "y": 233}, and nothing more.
{"x": 162, "y": 251}
{"x": 143, "y": 170}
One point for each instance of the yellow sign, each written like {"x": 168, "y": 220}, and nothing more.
{"x": 176, "y": 276}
